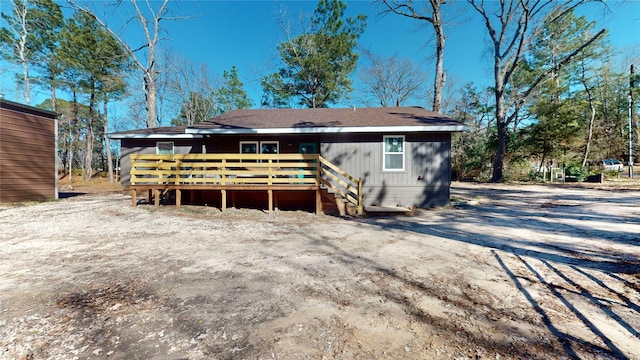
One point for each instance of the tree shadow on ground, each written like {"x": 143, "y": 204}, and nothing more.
{"x": 574, "y": 256}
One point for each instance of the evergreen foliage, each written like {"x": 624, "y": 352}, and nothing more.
{"x": 317, "y": 64}
{"x": 231, "y": 94}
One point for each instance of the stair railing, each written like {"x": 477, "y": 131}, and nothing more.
{"x": 343, "y": 184}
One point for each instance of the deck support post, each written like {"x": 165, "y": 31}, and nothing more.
{"x": 178, "y": 198}
{"x": 134, "y": 200}
{"x": 223, "y": 194}
{"x": 156, "y": 198}
{"x": 318, "y": 200}
{"x": 270, "y": 192}
{"x": 360, "y": 204}
{"x": 149, "y": 196}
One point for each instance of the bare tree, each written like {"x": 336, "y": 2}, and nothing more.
{"x": 512, "y": 25}
{"x": 391, "y": 80}
{"x": 432, "y": 15}
{"x": 189, "y": 89}
{"x": 149, "y": 19}
{"x": 17, "y": 36}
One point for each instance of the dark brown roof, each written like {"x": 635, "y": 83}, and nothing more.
{"x": 325, "y": 118}
{"x": 283, "y": 121}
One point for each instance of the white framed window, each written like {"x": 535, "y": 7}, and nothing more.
{"x": 262, "y": 147}
{"x": 265, "y": 147}
{"x": 393, "y": 153}
{"x": 164, "y": 148}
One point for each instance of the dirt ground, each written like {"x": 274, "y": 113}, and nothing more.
{"x": 509, "y": 272}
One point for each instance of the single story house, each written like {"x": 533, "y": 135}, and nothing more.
{"x": 401, "y": 155}
{"x": 28, "y": 152}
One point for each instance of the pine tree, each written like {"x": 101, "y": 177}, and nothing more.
{"x": 317, "y": 64}
{"x": 231, "y": 95}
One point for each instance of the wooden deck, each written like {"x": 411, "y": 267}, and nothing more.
{"x": 159, "y": 175}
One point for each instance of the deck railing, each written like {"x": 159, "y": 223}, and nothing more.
{"x": 259, "y": 170}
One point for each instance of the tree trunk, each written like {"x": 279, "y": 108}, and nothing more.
{"x": 501, "y": 151}
{"x": 151, "y": 103}
{"x": 25, "y": 78}
{"x": 88, "y": 164}
{"x": 22, "y": 32}
{"x": 107, "y": 142}
{"x": 591, "y": 121}
{"x": 405, "y": 8}
{"x": 72, "y": 133}
{"x": 54, "y": 98}
{"x": 501, "y": 118}
{"x": 88, "y": 156}
{"x": 440, "y": 76}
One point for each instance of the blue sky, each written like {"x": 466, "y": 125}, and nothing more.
{"x": 245, "y": 34}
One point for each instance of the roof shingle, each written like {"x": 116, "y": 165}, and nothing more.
{"x": 325, "y": 117}
{"x": 282, "y": 121}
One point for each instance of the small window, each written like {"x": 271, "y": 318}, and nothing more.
{"x": 164, "y": 148}
{"x": 393, "y": 153}
{"x": 248, "y": 147}
{"x": 269, "y": 147}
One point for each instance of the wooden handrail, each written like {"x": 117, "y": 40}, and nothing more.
{"x": 245, "y": 169}
{"x": 342, "y": 183}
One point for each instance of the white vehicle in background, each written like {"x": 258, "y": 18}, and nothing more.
{"x": 612, "y": 165}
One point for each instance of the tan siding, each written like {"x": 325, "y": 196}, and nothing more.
{"x": 27, "y": 155}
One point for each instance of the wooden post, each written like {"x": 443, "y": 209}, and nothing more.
{"x": 275, "y": 200}
{"x": 270, "y": 192}
{"x": 318, "y": 200}
{"x": 360, "y": 206}
{"x": 134, "y": 201}
{"x": 178, "y": 172}
{"x": 223, "y": 194}
{"x": 178, "y": 198}
{"x": 157, "y": 194}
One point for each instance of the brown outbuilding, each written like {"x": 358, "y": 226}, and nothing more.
{"x": 28, "y": 147}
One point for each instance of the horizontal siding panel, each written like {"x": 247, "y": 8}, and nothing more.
{"x": 17, "y": 158}
{"x": 19, "y": 188}
{"x": 42, "y": 174}
{"x": 407, "y": 196}
{"x": 33, "y": 150}
{"x": 38, "y": 138}
{"x": 25, "y": 195}
{"x": 17, "y": 141}
{"x": 29, "y": 128}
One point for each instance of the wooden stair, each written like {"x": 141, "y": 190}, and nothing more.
{"x": 334, "y": 204}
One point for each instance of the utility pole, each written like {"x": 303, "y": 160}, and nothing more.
{"x": 631, "y": 113}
